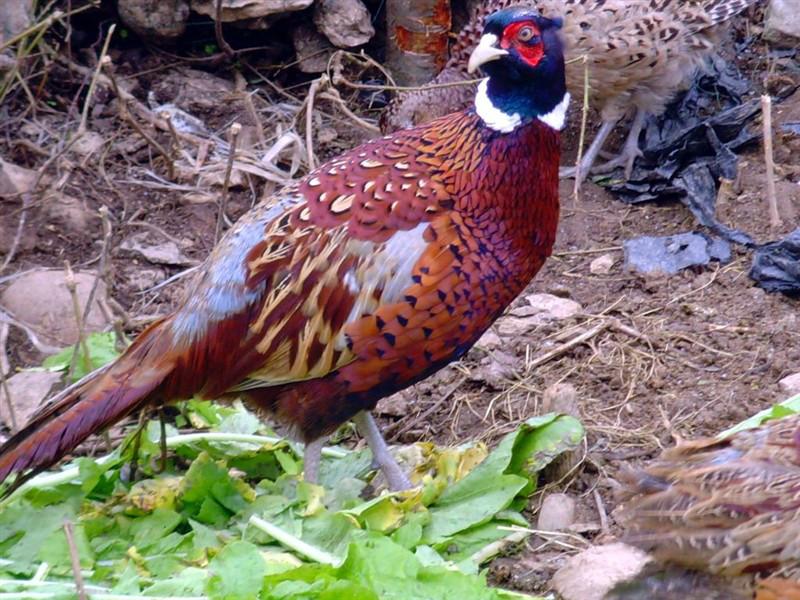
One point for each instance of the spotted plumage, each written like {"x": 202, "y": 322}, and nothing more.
{"x": 727, "y": 505}
{"x": 372, "y": 272}
{"x": 640, "y": 52}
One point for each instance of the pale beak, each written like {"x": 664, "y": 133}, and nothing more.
{"x": 486, "y": 51}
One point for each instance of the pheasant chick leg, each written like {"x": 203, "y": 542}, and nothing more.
{"x": 591, "y": 154}
{"x": 630, "y": 150}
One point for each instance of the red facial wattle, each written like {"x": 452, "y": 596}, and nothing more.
{"x": 530, "y": 53}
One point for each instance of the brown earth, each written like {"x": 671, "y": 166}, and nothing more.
{"x": 688, "y": 355}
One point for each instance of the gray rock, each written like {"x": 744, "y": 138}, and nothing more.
{"x": 591, "y": 574}
{"x": 15, "y": 180}
{"x": 155, "y": 19}
{"x": 670, "y": 254}
{"x": 790, "y": 384}
{"x": 782, "y": 24}
{"x": 489, "y": 341}
{"x": 15, "y": 17}
{"x": 557, "y": 513}
{"x": 541, "y": 309}
{"x": 159, "y": 253}
{"x": 602, "y": 265}
{"x": 28, "y": 390}
{"x": 312, "y": 48}
{"x": 42, "y": 301}
{"x": 346, "y": 23}
{"x": 561, "y": 398}
{"x": 248, "y": 10}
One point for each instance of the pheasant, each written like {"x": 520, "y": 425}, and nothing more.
{"x": 640, "y": 52}
{"x": 726, "y": 505}
{"x": 374, "y": 271}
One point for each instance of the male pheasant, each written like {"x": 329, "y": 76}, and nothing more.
{"x": 640, "y": 52}
{"x": 728, "y": 505}
{"x": 374, "y": 271}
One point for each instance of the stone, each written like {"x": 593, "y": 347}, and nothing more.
{"x": 673, "y": 253}
{"x": 41, "y": 300}
{"x": 782, "y": 23}
{"x": 15, "y": 17}
{"x": 591, "y": 574}
{"x": 160, "y": 253}
{"x": 602, "y": 265}
{"x": 312, "y": 48}
{"x": 193, "y": 92}
{"x": 157, "y": 20}
{"x": 553, "y": 307}
{"x": 88, "y": 144}
{"x": 243, "y": 10}
{"x": 67, "y": 211}
{"x": 346, "y": 23}
{"x": 790, "y": 384}
{"x": 489, "y": 341}
{"x": 28, "y": 390}
{"x": 541, "y": 308}
{"x": 395, "y": 405}
{"x": 557, "y": 513}
{"x": 15, "y": 180}
{"x": 496, "y": 370}
{"x": 561, "y": 398}
{"x": 141, "y": 279}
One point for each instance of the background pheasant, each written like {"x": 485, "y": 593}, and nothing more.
{"x": 374, "y": 271}
{"x": 640, "y": 53}
{"x": 730, "y": 506}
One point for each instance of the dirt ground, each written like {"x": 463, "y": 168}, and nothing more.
{"x": 688, "y": 355}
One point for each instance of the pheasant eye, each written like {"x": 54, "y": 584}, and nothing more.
{"x": 527, "y": 34}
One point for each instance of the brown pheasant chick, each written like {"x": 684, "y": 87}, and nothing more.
{"x": 729, "y": 506}
{"x": 639, "y": 52}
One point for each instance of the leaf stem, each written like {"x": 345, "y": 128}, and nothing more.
{"x": 294, "y": 543}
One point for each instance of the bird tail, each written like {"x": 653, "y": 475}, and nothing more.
{"x": 94, "y": 403}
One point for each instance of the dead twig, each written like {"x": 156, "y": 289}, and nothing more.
{"x": 6, "y": 317}
{"x": 23, "y": 217}
{"x": 102, "y": 273}
{"x": 223, "y": 45}
{"x": 569, "y": 345}
{"x": 312, "y": 92}
{"x": 93, "y": 82}
{"x": 4, "y": 371}
{"x": 582, "y": 137}
{"x": 247, "y": 100}
{"x": 601, "y": 511}
{"x": 76, "y": 560}
{"x": 775, "y": 221}
{"x": 123, "y": 100}
{"x": 491, "y": 550}
{"x": 222, "y": 217}
{"x": 80, "y": 346}
{"x": 333, "y": 95}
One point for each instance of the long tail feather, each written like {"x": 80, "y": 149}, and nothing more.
{"x": 96, "y": 402}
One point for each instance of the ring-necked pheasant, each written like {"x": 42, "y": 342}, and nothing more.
{"x": 729, "y": 506}
{"x": 374, "y": 271}
{"x": 640, "y": 53}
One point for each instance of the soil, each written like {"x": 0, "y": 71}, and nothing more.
{"x": 696, "y": 352}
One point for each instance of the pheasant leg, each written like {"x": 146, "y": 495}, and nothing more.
{"x": 630, "y": 150}
{"x": 312, "y": 456}
{"x": 591, "y": 154}
{"x": 380, "y": 451}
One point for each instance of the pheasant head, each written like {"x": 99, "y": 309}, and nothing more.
{"x": 522, "y": 54}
